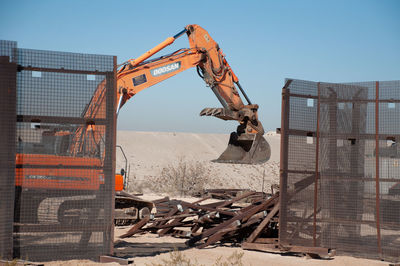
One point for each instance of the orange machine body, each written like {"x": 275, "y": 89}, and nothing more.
{"x": 119, "y": 182}
{"x": 58, "y": 172}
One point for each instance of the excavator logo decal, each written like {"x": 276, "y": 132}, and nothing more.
{"x": 61, "y": 178}
{"x": 165, "y": 69}
{"x": 139, "y": 80}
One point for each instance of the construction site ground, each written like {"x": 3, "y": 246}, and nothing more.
{"x": 150, "y": 249}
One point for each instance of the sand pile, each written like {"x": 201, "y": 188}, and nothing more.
{"x": 149, "y": 152}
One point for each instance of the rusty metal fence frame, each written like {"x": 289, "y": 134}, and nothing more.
{"x": 333, "y": 190}
{"x": 58, "y": 71}
{"x": 8, "y": 70}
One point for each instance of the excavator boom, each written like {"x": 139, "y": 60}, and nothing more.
{"x": 247, "y": 144}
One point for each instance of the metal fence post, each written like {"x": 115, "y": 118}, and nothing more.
{"x": 7, "y": 154}
{"x": 284, "y": 158}
{"x": 378, "y": 228}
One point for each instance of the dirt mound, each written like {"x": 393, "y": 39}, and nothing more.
{"x": 151, "y": 152}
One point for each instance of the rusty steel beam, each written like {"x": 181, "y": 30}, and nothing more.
{"x": 61, "y": 120}
{"x": 316, "y": 171}
{"x": 237, "y": 217}
{"x": 176, "y": 217}
{"x": 274, "y": 248}
{"x": 266, "y": 240}
{"x": 18, "y": 262}
{"x": 341, "y": 135}
{"x": 284, "y": 155}
{"x": 201, "y": 200}
{"x": 172, "y": 212}
{"x": 323, "y": 252}
{"x": 61, "y": 70}
{"x": 305, "y": 182}
{"x": 136, "y": 227}
{"x": 169, "y": 226}
{"x": 324, "y": 99}
{"x": 219, "y": 235}
{"x": 120, "y": 261}
{"x": 378, "y": 228}
{"x": 165, "y": 199}
{"x": 263, "y": 224}
{"x": 237, "y": 198}
{"x": 202, "y": 207}
{"x": 177, "y": 221}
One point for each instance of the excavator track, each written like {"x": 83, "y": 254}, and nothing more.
{"x": 71, "y": 210}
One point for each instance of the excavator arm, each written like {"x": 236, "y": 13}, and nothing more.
{"x": 133, "y": 80}
{"x": 205, "y": 54}
{"x": 246, "y": 145}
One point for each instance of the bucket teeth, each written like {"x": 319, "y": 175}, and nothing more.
{"x": 211, "y": 111}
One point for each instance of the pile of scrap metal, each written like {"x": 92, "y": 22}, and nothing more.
{"x": 246, "y": 218}
{"x": 222, "y": 221}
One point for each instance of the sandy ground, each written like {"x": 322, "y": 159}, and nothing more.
{"x": 151, "y": 249}
{"x": 149, "y": 152}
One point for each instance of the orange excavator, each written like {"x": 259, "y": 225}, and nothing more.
{"x": 246, "y": 145}
{"x": 82, "y": 146}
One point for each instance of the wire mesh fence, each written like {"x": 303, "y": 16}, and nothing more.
{"x": 340, "y": 173}
{"x": 64, "y": 144}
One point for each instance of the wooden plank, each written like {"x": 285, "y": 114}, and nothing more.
{"x": 263, "y": 224}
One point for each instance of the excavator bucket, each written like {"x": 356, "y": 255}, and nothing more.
{"x": 246, "y": 149}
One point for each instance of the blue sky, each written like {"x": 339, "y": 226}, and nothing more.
{"x": 264, "y": 42}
